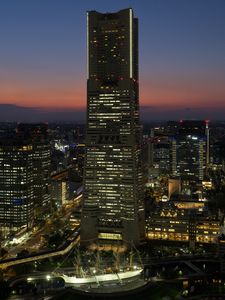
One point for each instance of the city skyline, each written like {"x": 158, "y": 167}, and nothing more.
{"x": 112, "y": 149}
{"x": 181, "y": 58}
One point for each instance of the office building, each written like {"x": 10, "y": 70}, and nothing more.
{"x": 113, "y": 194}
{"x": 159, "y": 154}
{"x": 37, "y": 135}
{"x": 16, "y": 185}
{"x": 59, "y": 189}
{"x": 183, "y": 222}
{"x": 189, "y": 149}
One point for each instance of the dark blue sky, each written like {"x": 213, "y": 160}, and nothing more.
{"x": 181, "y": 52}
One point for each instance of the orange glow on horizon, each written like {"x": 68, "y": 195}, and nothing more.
{"x": 73, "y": 96}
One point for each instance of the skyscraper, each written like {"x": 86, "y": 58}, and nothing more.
{"x": 189, "y": 149}
{"x": 37, "y": 135}
{"x": 16, "y": 185}
{"x": 113, "y": 195}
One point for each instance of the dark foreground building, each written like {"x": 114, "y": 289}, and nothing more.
{"x": 113, "y": 194}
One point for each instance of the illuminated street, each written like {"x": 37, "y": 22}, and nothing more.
{"x": 34, "y": 241}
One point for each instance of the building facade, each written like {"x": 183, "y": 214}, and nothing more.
{"x": 189, "y": 149}
{"x": 183, "y": 225}
{"x": 159, "y": 154}
{"x": 113, "y": 195}
{"x": 16, "y": 186}
{"x": 36, "y": 134}
{"x": 59, "y": 189}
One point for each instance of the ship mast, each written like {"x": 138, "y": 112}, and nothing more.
{"x": 117, "y": 260}
{"x": 131, "y": 259}
{"x": 78, "y": 264}
{"x": 98, "y": 260}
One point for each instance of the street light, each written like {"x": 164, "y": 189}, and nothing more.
{"x": 29, "y": 279}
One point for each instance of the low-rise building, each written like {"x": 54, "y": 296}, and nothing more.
{"x": 175, "y": 223}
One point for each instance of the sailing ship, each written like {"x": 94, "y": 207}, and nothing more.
{"x": 104, "y": 278}
{"x": 100, "y": 278}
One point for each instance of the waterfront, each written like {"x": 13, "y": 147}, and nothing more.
{"x": 159, "y": 291}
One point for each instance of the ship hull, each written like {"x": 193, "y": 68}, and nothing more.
{"x": 99, "y": 279}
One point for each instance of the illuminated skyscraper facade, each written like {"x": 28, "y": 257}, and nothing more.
{"x": 37, "y": 135}
{"x": 16, "y": 185}
{"x": 190, "y": 146}
{"x": 113, "y": 194}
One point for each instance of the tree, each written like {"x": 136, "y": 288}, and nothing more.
{"x": 4, "y": 289}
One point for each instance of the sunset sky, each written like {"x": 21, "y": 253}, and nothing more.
{"x": 181, "y": 54}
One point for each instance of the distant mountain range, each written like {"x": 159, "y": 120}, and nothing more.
{"x": 11, "y": 113}
{"x": 15, "y": 113}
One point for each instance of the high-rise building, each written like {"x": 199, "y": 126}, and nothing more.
{"x": 16, "y": 185}
{"x": 59, "y": 188}
{"x": 159, "y": 154}
{"x": 113, "y": 195}
{"x": 37, "y": 135}
{"x": 189, "y": 149}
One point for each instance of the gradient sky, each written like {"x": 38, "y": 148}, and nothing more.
{"x": 181, "y": 53}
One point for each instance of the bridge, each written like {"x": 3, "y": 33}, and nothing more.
{"x": 42, "y": 255}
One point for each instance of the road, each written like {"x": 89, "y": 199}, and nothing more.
{"x": 35, "y": 241}
{"x": 47, "y": 254}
